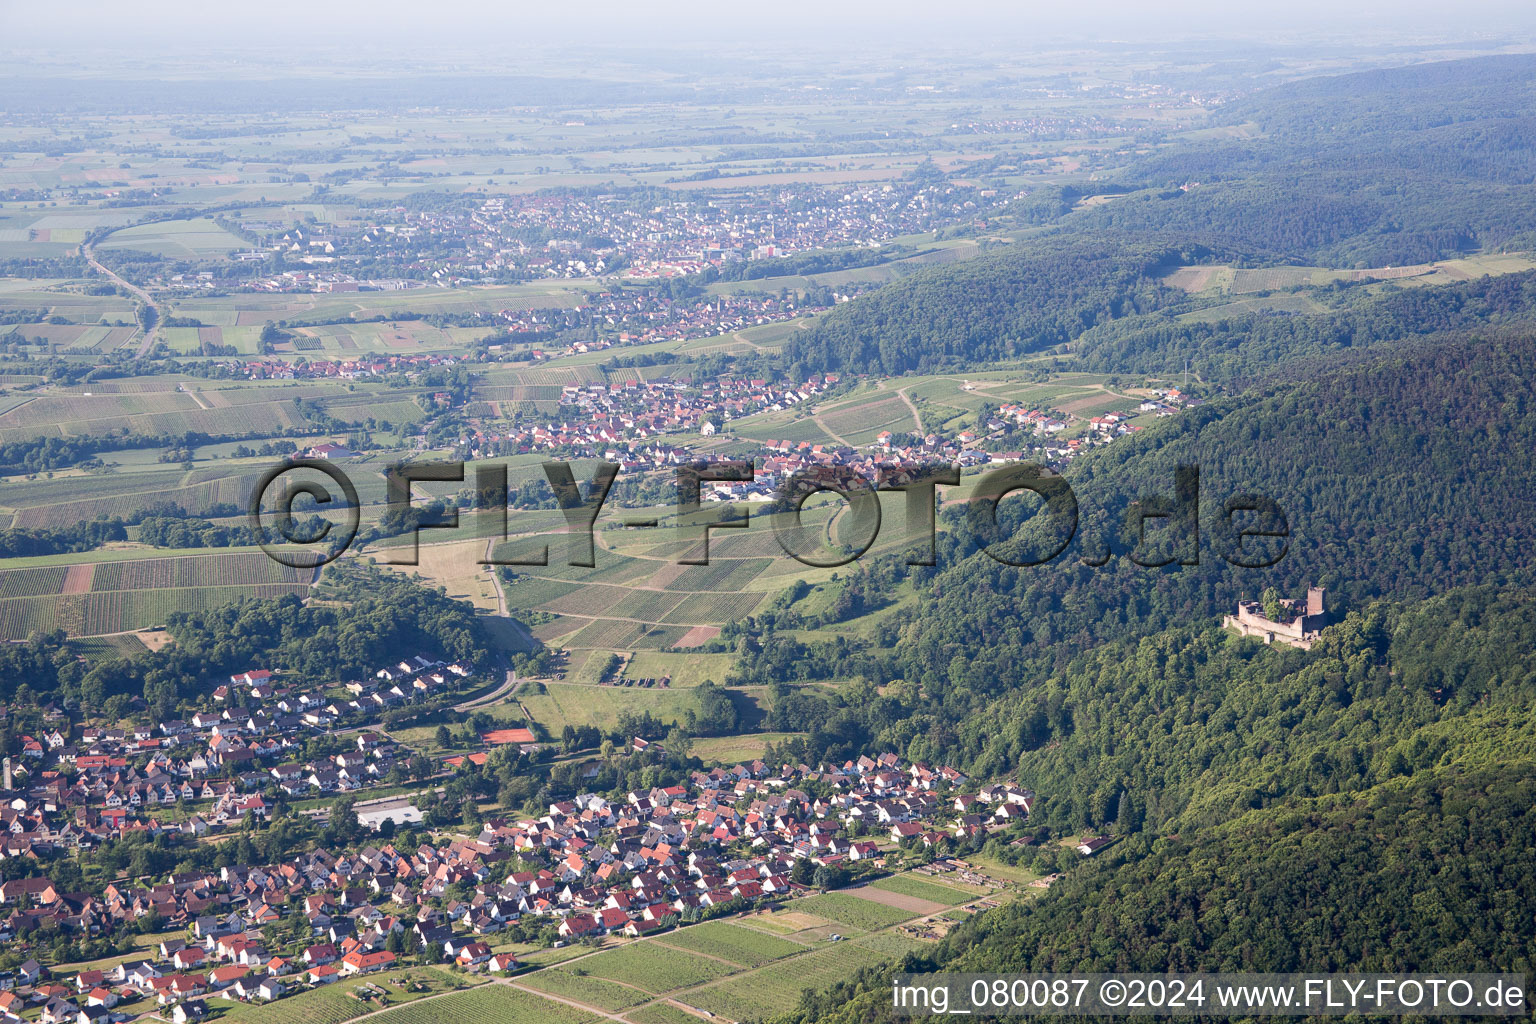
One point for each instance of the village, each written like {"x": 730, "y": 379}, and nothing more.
{"x": 507, "y": 238}
{"x": 69, "y": 792}
{"x": 728, "y": 840}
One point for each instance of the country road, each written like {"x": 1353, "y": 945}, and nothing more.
{"x": 150, "y": 336}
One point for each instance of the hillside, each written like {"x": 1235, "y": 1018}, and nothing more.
{"x": 1002, "y": 306}
{"x": 1252, "y": 343}
{"x": 1362, "y": 807}
{"x": 1399, "y": 479}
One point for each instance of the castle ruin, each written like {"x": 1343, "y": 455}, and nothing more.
{"x": 1299, "y": 625}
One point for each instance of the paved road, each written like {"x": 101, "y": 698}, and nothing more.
{"x": 151, "y": 335}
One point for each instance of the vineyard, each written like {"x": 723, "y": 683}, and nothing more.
{"x": 731, "y": 942}
{"x": 935, "y": 892}
{"x": 606, "y": 995}
{"x": 616, "y": 635}
{"x": 852, "y": 911}
{"x": 652, "y": 967}
{"x": 245, "y": 568}
{"x": 115, "y": 611}
{"x": 488, "y": 1004}
{"x": 135, "y": 593}
{"x": 41, "y": 581}
{"x": 719, "y": 574}
{"x": 777, "y": 987}
{"x": 714, "y": 608}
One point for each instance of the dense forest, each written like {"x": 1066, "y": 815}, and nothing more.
{"x": 1364, "y": 806}
{"x": 1001, "y": 306}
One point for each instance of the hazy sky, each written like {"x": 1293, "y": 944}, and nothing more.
{"x": 504, "y": 27}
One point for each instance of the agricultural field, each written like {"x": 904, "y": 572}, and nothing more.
{"x": 853, "y": 911}
{"x": 732, "y": 942}
{"x": 89, "y": 596}
{"x": 650, "y": 967}
{"x": 574, "y": 983}
{"x": 493, "y": 1003}
{"x": 194, "y": 239}
{"x": 661, "y": 1013}
{"x": 334, "y": 1003}
{"x": 1234, "y": 281}
{"x": 924, "y": 889}
{"x": 777, "y": 987}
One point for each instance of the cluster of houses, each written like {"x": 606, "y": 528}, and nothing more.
{"x": 592, "y": 235}
{"x": 275, "y": 368}
{"x": 504, "y": 238}
{"x": 615, "y": 420}
{"x": 72, "y": 793}
{"x": 588, "y": 866}
{"x": 645, "y": 316}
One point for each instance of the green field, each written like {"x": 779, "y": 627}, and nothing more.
{"x": 911, "y": 885}
{"x": 845, "y": 908}
{"x": 177, "y": 239}
{"x": 87, "y": 596}
{"x": 777, "y": 987}
{"x": 731, "y": 942}
{"x": 487, "y": 1004}
{"x": 606, "y": 995}
{"x": 651, "y": 967}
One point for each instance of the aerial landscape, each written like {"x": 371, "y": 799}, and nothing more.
{"x": 711, "y": 521}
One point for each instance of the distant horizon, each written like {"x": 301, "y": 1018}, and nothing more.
{"x": 165, "y": 28}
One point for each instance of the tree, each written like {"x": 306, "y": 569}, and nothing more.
{"x": 1271, "y": 602}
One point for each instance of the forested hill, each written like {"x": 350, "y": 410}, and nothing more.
{"x": 1258, "y": 343}
{"x": 1398, "y": 478}
{"x": 1000, "y": 306}
{"x": 1366, "y": 806}
{"x": 1384, "y": 167}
